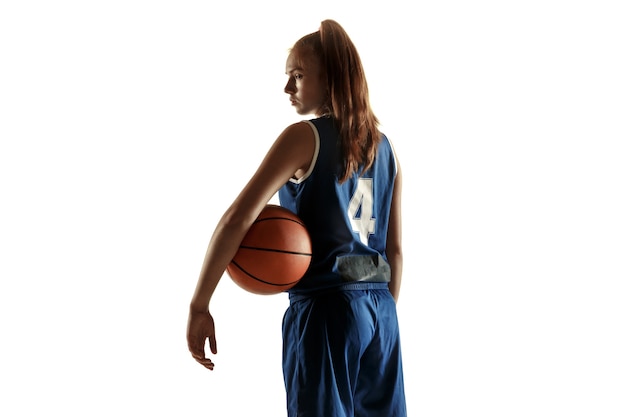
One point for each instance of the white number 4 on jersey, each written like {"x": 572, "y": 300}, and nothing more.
{"x": 361, "y": 208}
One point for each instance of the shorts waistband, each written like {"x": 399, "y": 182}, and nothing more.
{"x": 351, "y": 286}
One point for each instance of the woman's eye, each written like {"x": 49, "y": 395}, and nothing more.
{"x": 298, "y": 76}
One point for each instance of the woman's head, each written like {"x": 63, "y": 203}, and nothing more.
{"x": 326, "y": 77}
{"x": 306, "y": 85}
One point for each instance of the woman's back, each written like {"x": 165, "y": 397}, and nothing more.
{"x": 348, "y": 221}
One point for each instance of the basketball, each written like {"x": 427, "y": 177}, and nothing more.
{"x": 274, "y": 254}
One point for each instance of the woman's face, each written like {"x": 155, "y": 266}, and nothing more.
{"x": 306, "y": 86}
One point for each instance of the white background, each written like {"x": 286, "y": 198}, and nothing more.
{"x": 127, "y": 128}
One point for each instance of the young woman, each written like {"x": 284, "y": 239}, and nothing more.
{"x": 338, "y": 172}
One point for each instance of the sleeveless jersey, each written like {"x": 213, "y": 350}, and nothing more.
{"x": 347, "y": 222}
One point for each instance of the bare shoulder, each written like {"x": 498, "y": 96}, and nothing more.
{"x": 298, "y": 137}
{"x": 299, "y": 130}
{"x": 298, "y": 144}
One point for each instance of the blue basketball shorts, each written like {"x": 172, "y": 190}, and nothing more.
{"x": 341, "y": 355}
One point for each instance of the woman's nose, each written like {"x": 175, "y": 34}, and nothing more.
{"x": 290, "y": 86}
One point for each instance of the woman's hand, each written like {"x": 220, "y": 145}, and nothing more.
{"x": 200, "y": 326}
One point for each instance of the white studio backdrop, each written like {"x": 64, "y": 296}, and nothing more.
{"x": 127, "y": 127}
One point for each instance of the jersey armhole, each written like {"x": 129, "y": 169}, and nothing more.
{"x": 316, "y": 152}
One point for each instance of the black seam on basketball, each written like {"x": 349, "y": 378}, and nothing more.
{"x": 275, "y": 250}
{"x": 259, "y": 279}
{"x": 279, "y": 218}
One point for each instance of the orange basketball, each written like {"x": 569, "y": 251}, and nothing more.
{"x": 274, "y": 254}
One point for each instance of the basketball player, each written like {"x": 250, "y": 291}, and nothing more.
{"x": 339, "y": 174}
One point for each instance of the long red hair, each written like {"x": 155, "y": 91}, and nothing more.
{"x": 348, "y": 96}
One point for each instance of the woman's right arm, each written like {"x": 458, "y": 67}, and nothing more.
{"x": 292, "y": 152}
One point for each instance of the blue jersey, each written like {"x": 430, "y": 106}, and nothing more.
{"x": 347, "y": 221}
